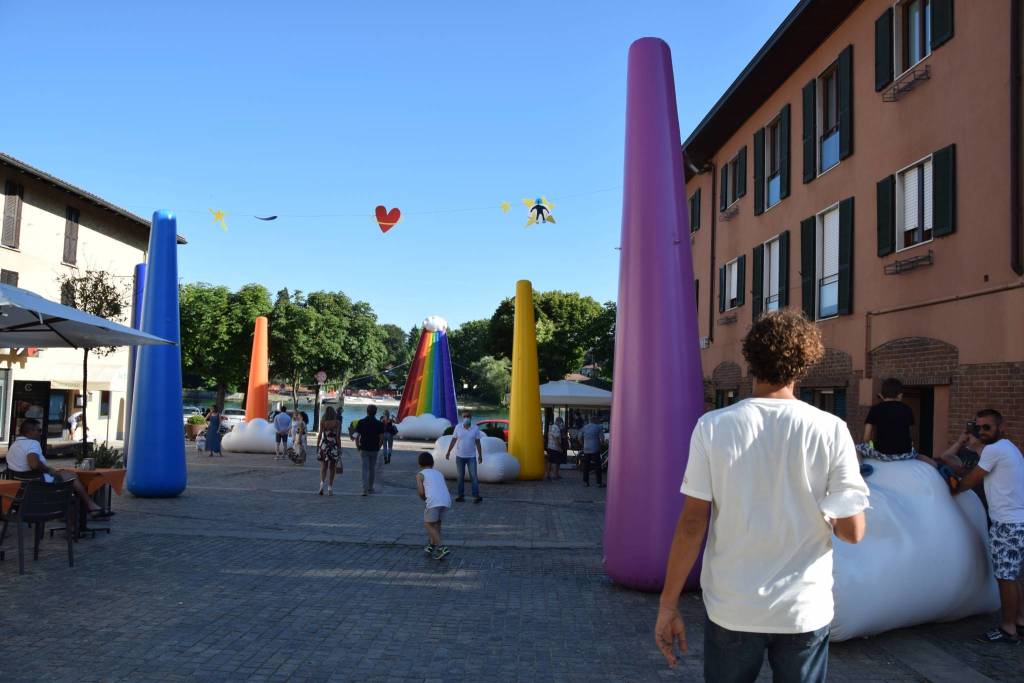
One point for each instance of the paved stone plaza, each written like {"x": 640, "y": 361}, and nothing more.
{"x": 251, "y": 576}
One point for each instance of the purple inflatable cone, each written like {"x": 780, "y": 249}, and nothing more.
{"x": 658, "y": 389}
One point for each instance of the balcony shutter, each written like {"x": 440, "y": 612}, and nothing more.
{"x": 759, "y": 172}
{"x": 885, "y": 191}
{"x": 944, "y": 191}
{"x": 845, "y": 94}
{"x": 807, "y": 258}
{"x": 758, "y": 287}
{"x": 741, "y": 279}
{"x": 807, "y": 395}
{"x": 942, "y": 22}
{"x": 71, "y": 236}
{"x": 883, "y": 50}
{"x": 721, "y": 290}
{"x": 11, "y": 236}
{"x": 784, "y": 153}
{"x": 784, "y": 269}
{"x": 839, "y": 403}
{"x": 724, "y": 190}
{"x": 846, "y": 256}
{"x": 741, "y": 173}
{"x": 9, "y": 277}
{"x": 810, "y": 125}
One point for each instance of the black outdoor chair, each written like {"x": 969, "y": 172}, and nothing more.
{"x": 38, "y": 503}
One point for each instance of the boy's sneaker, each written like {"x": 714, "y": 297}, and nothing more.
{"x": 997, "y": 635}
{"x": 460, "y": 499}
{"x": 429, "y": 549}
{"x": 441, "y": 552}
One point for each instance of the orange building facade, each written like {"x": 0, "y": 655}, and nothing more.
{"x": 865, "y": 168}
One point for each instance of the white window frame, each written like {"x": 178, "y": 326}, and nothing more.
{"x": 899, "y": 205}
{"x": 899, "y": 68}
{"x": 732, "y": 274}
{"x": 819, "y": 131}
{"x": 819, "y": 260}
{"x": 732, "y": 169}
{"x": 767, "y": 281}
{"x": 775, "y": 120}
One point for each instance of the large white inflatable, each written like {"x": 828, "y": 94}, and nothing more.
{"x": 256, "y": 436}
{"x": 923, "y": 559}
{"x": 425, "y": 427}
{"x": 498, "y": 465}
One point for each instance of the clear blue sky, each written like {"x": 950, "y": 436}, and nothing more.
{"x": 309, "y": 108}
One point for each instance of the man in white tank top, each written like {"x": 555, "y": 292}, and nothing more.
{"x": 431, "y": 487}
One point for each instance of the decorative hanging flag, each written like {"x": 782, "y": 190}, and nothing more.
{"x": 540, "y": 211}
{"x": 265, "y": 218}
{"x": 505, "y": 206}
{"x": 218, "y": 217}
{"x": 387, "y": 219}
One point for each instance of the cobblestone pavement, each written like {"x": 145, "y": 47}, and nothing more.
{"x": 251, "y": 576}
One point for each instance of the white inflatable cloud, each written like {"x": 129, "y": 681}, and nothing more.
{"x": 498, "y": 465}
{"x": 256, "y": 436}
{"x": 435, "y": 323}
{"x": 426, "y": 427}
{"x": 924, "y": 556}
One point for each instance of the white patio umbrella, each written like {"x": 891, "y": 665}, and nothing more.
{"x": 574, "y": 395}
{"x": 29, "y": 320}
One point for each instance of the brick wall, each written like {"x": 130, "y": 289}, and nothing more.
{"x": 833, "y": 370}
{"x": 914, "y": 361}
{"x": 988, "y": 385}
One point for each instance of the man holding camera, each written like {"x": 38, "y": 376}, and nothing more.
{"x": 1001, "y": 467}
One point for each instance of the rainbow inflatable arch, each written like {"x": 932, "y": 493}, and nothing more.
{"x": 430, "y": 388}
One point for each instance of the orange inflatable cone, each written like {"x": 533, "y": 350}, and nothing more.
{"x": 259, "y": 385}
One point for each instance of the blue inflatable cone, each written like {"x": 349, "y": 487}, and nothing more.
{"x": 156, "y": 450}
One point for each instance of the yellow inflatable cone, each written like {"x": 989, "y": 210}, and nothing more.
{"x": 525, "y": 439}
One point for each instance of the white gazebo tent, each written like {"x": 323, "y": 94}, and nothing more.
{"x": 564, "y": 393}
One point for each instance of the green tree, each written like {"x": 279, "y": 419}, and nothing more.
{"x": 216, "y": 333}
{"x": 397, "y": 356}
{"x": 99, "y": 293}
{"x": 493, "y": 378}
{"x": 293, "y": 339}
{"x": 468, "y": 343}
{"x": 602, "y": 353}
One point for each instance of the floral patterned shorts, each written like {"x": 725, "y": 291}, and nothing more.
{"x": 866, "y": 451}
{"x": 1007, "y": 547}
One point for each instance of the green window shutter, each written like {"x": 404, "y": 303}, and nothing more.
{"x": 944, "y": 191}
{"x": 741, "y": 279}
{"x": 883, "y": 50}
{"x": 807, "y": 395}
{"x": 784, "y": 153}
{"x": 844, "y": 86}
{"x": 695, "y": 211}
{"x": 724, "y": 189}
{"x": 808, "y": 228}
{"x": 784, "y": 269}
{"x": 810, "y": 126}
{"x": 757, "y": 293}
{"x": 741, "y": 172}
{"x": 721, "y": 289}
{"x": 839, "y": 403}
{"x": 885, "y": 191}
{"x": 759, "y": 172}
{"x": 846, "y": 256}
{"x": 942, "y": 22}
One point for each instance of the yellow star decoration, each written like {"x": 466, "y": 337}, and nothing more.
{"x": 218, "y": 217}
{"x": 505, "y": 206}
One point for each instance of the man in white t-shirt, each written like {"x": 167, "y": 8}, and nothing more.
{"x": 778, "y": 478}
{"x": 1001, "y": 467}
{"x": 282, "y": 425}
{"x": 468, "y": 454}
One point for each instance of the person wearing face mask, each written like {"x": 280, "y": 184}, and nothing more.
{"x": 468, "y": 453}
{"x": 1001, "y": 468}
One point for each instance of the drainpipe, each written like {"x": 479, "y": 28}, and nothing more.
{"x": 1015, "y": 138}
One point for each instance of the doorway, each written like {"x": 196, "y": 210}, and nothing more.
{"x": 922, "y": 401}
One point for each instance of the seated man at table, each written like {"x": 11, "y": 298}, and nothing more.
{"x": 25, "y": 458}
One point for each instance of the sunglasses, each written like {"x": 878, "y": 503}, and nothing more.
{"x": 985, "y": 428}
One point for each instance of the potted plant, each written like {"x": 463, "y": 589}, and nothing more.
{"x": 196, "y": 424}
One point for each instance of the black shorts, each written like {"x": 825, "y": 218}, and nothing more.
{"x": 282, "y": 438}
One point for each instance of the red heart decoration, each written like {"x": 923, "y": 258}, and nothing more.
{"x": 387, "y": 219}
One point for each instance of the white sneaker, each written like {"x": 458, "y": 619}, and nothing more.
{"x": 330, "y": 490}
{"x": 321, "y": 492}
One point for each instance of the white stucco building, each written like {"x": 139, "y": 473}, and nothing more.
{"x": 52, "y": 228}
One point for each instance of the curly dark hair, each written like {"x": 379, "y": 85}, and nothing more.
{"x": 781, "y": 345}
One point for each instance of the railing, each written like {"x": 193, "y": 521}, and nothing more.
{"x": 774, "y": 190}
{"x": 771, "y": 303}
{"x": 828, "y": 296}
{"x": 829, "y": 149}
